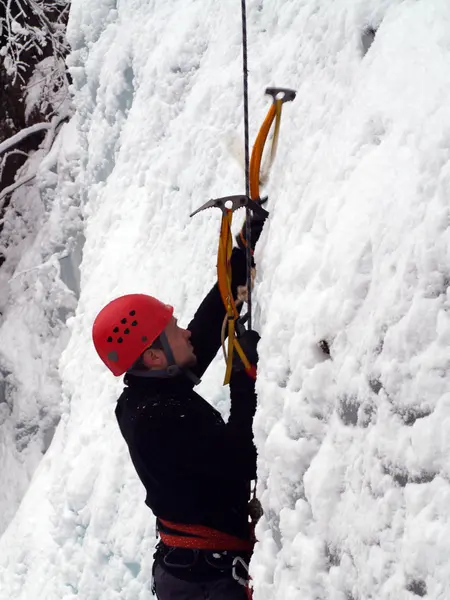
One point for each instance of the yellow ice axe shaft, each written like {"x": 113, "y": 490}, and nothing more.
{"x": 280, "y": 96}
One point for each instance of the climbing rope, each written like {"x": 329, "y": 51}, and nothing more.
{"x": 247, "y": 161}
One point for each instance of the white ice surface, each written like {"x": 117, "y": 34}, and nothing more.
{"x": 353, "y": 448}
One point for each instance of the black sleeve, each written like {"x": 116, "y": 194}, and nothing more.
{"x": 243, "y": 407}
{"x": 206, "y": 325}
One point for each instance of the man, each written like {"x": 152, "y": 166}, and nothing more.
{"x": 195, "y": 467}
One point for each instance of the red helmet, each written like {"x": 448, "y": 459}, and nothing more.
{"x": 125, "y": 327}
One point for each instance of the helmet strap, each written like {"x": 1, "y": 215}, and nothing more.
{"x": 168, "y": 352}
{"x": 172, "y": 370}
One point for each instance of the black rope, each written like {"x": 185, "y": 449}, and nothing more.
{"x": 247, "y": 165}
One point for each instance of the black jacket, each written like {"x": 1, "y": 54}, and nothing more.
{"x": 195, "y": 467}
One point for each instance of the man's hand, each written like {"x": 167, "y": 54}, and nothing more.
{"x": 242, "y": 291}
{"x": 256, "y": 225}
{"x": 249, "y": 341}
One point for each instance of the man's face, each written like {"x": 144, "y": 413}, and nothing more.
{"x": 178, "y": 338}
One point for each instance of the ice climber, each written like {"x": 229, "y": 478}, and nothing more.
{"x": 196, "y": 468}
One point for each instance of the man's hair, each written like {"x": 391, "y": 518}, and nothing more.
{"x": 139, "y": 365}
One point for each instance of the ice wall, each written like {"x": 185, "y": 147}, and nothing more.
{"x": 352, "y": 442}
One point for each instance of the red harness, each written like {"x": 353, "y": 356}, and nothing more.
{"x": 199, "y": 537}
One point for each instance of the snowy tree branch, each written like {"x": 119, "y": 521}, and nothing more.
{"x": 11, "y": 188}
{"x": 53, "y": 128}
{"x": 31, "y": 26}
{"x": 16, "y": 139}
{"x": 5, "y": 157}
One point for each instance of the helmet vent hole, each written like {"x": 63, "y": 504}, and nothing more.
{"x": 120, "y": 340}
{"x": 126, "y": 331}
{"x": 109, "y": 339}
{"x": 123, "y": 321}
{"x": 144, "y": 338}
{"x": 132, "y": 313}
{"x": 134, "y": 323}
{"x": 116, "y": 330}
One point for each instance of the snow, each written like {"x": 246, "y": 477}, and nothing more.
{"x": 353, "y": 450}
{"x": 46, "y": 90}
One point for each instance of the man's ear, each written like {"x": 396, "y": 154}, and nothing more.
{"x": 154, "y": 359}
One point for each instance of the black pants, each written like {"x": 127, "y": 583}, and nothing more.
{"x": 169, "y": 587}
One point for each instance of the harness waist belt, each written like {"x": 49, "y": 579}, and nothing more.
{"x": 199, "y": 537}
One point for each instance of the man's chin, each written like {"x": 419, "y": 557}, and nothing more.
{"x": 192, "y": 361}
